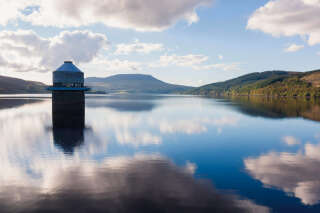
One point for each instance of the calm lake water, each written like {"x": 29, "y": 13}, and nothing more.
{"x": 148, "y": 153}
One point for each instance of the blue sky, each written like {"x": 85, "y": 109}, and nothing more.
{"x": 191, "y": 42}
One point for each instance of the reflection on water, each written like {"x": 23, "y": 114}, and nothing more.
{"x": 159, "y": 154}
{"x": 120, "y": 184}
{"x": 294, "y": 173}
{"x": 278, "y": 107}
{"x": 125, "y": 103}
{"x": 12, "y": 103}
{"x": 68, "y": 139}
{"x": 68, "y": 120}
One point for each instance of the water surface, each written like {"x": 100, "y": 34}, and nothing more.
{"x": 143, "y": 153}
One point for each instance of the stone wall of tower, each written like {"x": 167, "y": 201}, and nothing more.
{"x": 68, "y": 109}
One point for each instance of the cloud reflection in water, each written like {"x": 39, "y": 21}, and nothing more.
{"x": 145, "y": 128}
{"x": 28, "y": 124}
{"x": 143, "y": 183}
{"x": 294, "y": 173}
{"x": 38, "y": 177}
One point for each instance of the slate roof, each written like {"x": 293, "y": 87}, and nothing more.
{"x": 68, "y": 66}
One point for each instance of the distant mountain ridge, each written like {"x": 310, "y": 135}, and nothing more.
{"x": 130, "y": 83}
{"x": 10, "y": 85}
{"x": 133, "y": 83}
{"x": 269, "y": 83}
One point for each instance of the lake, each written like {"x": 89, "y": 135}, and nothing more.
{"x": 161, "y": 153}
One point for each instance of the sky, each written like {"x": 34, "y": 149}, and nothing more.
{"x": 190, "y": 42}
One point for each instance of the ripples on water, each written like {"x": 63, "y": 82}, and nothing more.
{"x": 147, "y": 153}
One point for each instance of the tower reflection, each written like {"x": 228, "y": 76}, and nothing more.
{"x": 68, "y": 120}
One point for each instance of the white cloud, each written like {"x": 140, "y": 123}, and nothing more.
{"x": 138, "y": 47}
{"x": 196, "y": 62}
{"x": 294, "y": 48}
{"x": 288, "y": 18}
{"x": 182, "y": 61}
{"x": 141, "y": 15}
{"x": 295, "y": 174}
{"x": 24, "y": 51}
{"x": 290, "y": 140}
{"x": 225, "y": 67}
{"x": 10, "y": 10}
{"x": 117, "y": 64}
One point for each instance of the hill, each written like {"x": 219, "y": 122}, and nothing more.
{"x": 269, "y": 83}
{"x": 10, "y": 85}
{"x": 133, "y": 83}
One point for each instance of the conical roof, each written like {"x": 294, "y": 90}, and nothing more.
{"x": 68, "y": 66}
